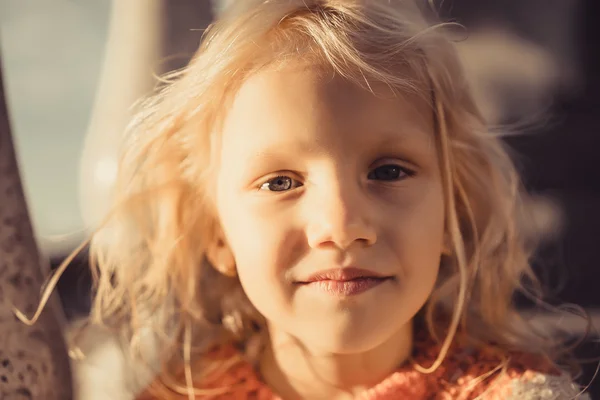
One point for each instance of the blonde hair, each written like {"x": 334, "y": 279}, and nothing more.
{"x": 153, "y": 273}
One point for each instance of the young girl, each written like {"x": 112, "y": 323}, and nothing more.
{"x": 314, "y": 209}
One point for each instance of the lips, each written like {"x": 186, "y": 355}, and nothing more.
{"x": 342, "y": 275}
{"x": 345, "y": 281}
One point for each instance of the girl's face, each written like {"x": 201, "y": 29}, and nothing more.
{"x": 331, "y": 204}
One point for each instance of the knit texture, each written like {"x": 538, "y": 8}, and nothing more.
{"x": 465, "y": 374}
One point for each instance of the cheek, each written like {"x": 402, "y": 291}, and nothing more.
{"x": 262, "y": 256}
{"x": 263, "y": 245}
{"x": 418, "y": 238}
{"x": 252, "y": 245}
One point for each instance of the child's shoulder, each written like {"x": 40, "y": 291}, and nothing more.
{"x": 226, "y": 376}
{"x": 484, "y": 373}
{"x": 467, "y": 373}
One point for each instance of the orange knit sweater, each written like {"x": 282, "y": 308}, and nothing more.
{"x": 464, "y": 375}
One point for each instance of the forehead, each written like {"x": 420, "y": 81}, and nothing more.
{"x": 299, "y": 102}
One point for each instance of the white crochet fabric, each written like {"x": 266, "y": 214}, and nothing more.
{"x": 546, "y": 387}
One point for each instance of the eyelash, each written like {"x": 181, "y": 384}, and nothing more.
{"x": 405, "y": 172}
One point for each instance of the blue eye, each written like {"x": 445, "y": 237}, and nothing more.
{"x": 389, "y": 172}
{"x": 280, "y": 184}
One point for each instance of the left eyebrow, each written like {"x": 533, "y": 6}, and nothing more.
{"x": 275, "y": 158}
{"x": 279, "y": 150}
{"x": 412, "y": 136}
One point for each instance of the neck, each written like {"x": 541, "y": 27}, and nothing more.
{"x": 293, "y": 371}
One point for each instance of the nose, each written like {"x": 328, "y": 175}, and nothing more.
{"x": 339, "y": 217}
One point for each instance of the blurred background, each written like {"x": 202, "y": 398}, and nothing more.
{"x": 73, "y": 69}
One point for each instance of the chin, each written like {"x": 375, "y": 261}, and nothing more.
{"x": 350, "y": 338}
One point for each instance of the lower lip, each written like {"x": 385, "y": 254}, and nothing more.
{"x": 346, "y": 288}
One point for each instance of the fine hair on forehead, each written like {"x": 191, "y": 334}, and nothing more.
{"x": 153, "y": 272}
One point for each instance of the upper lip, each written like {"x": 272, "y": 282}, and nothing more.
{"x": 342, "y": 275}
